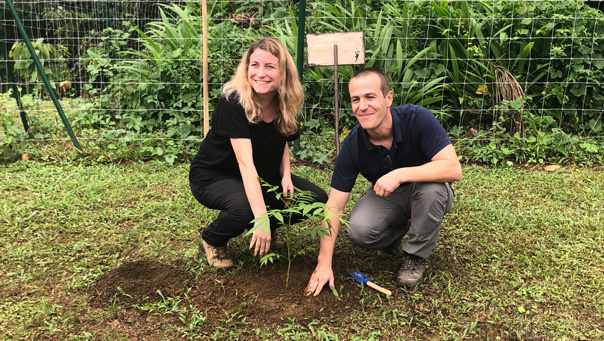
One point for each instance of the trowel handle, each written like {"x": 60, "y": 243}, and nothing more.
{"x": 379, "y": 288}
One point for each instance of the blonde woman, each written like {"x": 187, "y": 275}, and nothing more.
{"x": 251, "y": 125}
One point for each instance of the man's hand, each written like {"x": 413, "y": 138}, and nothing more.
{"x": 260, "y": 242}
{"x": 320, "y": 276}
{"x": 385, "y": 185}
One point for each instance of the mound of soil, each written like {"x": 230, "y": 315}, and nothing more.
{"x": 256, "y": 296}
{"x": 260, "y": 295}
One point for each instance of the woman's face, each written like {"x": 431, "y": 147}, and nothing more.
{"x": 263, "y": 72}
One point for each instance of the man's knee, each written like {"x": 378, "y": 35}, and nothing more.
{"x": 433, "y": 194}
{"x": 355, "y": 236}
{"x": 363, "y": 233}
{"x": 432, "y": 190}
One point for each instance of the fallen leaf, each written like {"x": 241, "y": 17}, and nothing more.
{"x": 24, "y": 157}
{"x": 551, "y": 168}
{"x": 115, "y": 324}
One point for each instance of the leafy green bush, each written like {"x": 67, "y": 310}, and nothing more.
{"x": 558, "y": 62}
{"x": 317, "y": 142}
{"x": 100, "y": 55}
{"x": 10, "y": 135}
{"x": 52, "y": 59}
{"x": 154, "y": 92}
{"x": 551, "y": 145}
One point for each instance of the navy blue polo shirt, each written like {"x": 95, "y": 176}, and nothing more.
{"x": 417, "y": 137}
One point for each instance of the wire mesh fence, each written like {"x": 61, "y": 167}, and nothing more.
{"x": 132, "y": 70}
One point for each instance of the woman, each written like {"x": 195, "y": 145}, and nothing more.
{"x": 251, "y": 124}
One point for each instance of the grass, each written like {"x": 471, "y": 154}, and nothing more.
{"x": 520, "y": 255}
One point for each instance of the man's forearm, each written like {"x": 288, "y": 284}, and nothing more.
{"x": 434, "y": 171}
{"x": 327, "y": 244}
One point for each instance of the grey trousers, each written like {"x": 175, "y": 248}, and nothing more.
{"x": 416, "y": 209}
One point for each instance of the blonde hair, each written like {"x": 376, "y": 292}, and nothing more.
{"x": 290, "y": 95}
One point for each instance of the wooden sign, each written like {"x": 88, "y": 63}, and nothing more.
{"x": 335, "y": 49}
{"x": 350, "y": 46}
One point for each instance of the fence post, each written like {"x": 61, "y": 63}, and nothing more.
{"x": 301, "y": 25}
{"x": 36, "y": 60}
{"x": 11, "y": 77}
{"x": 300, "y": 55}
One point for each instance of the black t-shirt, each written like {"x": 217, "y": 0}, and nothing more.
{"x": 216, "y": 159}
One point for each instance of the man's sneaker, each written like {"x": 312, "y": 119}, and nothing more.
{"x": 412, "y": 271}
{"x": 217, "y": 256}
{"x": 276, "y": 241}
{"x": 391, "y": 250}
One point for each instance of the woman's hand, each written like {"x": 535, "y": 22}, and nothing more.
{"x": 261, "y": 242}
{"x": 286, "y": 175}
{"x": 287, "y": 185}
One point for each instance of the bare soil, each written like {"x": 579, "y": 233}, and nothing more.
{"x": 255, "y": 296}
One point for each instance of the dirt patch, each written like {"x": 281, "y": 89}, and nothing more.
{"x": 261, "y": 297}
{"x": 140, "y": 281}
{"x": 254, "y": 296}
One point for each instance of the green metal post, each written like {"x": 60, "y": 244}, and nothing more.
{"x": 300, "y": 55}
{"x": 51, "y": 91}
{"x": 301, "y": 26}
{"x": 107, "y": 25}
{"x": 11, "y": 76}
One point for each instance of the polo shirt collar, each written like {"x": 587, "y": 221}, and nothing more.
{"x": 396, "y": 135}
{"x": 365, "y": 139}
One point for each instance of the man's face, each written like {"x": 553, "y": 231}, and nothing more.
{"x": 369, "y": 105}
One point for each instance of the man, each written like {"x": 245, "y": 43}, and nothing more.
{"x": 407, "y": 156}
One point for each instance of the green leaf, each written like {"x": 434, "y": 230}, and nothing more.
{"x": 522, "y": 57}
{"x": 264, "y": 223}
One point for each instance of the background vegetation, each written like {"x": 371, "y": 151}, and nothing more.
{"x": 513, "y": 82}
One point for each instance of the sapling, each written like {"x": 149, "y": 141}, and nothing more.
{"x": 301, "y": 203}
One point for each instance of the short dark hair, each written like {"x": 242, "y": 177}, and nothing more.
{"x": 385, "y": 84}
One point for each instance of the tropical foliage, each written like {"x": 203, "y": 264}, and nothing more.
{"x": 504, "y": 77}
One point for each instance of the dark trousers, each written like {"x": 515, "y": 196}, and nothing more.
{"x": 229, "y": 197}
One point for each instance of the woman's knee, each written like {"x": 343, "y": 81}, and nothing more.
{"x": 321, "y": 196}
{"x": 241, "y": 216}
{"x": 239, "y": 210}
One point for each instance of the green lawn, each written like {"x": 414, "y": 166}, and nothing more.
{"x": 520, "y": 255}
